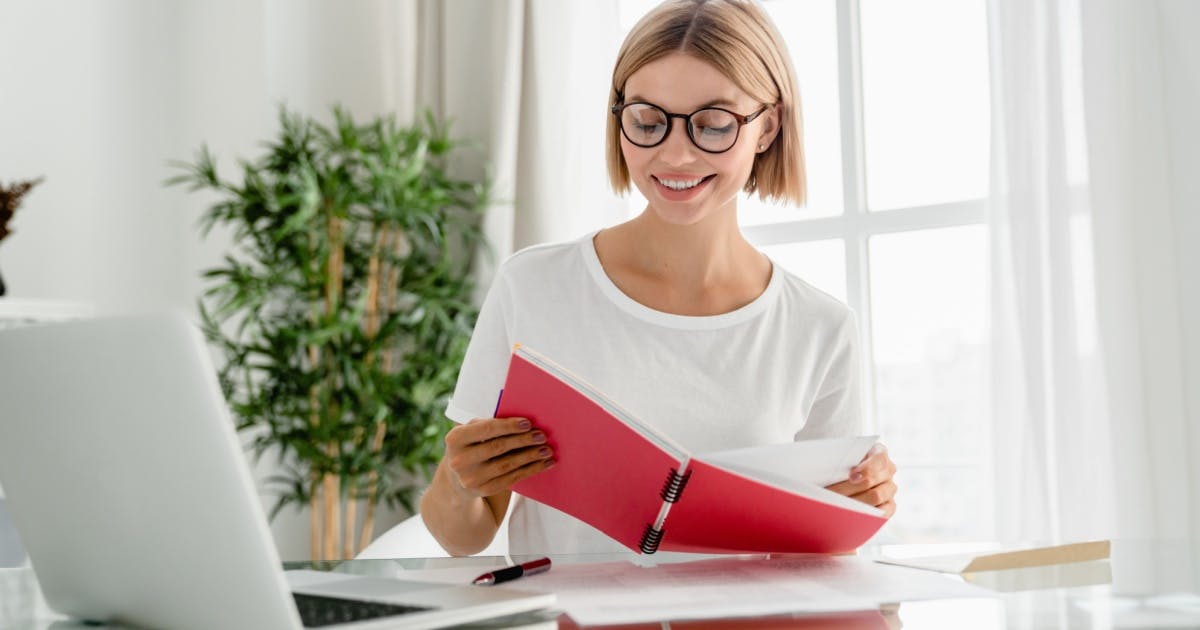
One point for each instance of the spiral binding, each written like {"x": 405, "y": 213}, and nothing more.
{"x": 671, "y": 491}
{"x": 674, "y": 485}
{"x": 651, "y": 538}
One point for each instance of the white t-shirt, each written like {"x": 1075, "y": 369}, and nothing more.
{"x": 783, "y": 367}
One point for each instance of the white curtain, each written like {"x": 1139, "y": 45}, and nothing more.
{"x": 1142, "y": 87}
{"x": 529, "y": 80}
{"x": 1093, "y": 379}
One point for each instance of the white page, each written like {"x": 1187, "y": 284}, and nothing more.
{"x": 622, "y": 592}
{"x": 816, "y": 462}
{"x": 808, "y": 490}
{"x": 943, "y": 564}
{"x": 660, "y": 439}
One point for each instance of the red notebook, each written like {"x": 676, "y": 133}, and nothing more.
{"x": 648, "y": 493}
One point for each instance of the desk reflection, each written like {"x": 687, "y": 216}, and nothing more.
{"x": 1147, "y": 584}
{"x": 885, "y": 619}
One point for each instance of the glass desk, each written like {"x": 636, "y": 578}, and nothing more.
{"x": 1144, "y": 585}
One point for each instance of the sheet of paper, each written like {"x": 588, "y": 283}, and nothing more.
{"x": 999, "y": 559}
{"x": 817, "y": 462}
{"x": 622, "y": 592}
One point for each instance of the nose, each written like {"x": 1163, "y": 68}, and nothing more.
{"x": 677, "y": 149}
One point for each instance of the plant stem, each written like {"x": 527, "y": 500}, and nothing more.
{"x": 348, "y": 539}
{"x": 351, "y": 509}
{"x": 330, "y": 497}
{"x": 333, "y": 292}
{"x": 337, "y": 252}
{"x": 314, "y": 521}
{"x": 371, "y": 319}
{"x": 393, "y": 241}
{"x": 314, "y": 420}
{"x": 372, "y": 489}
{"x": 392, "y": 278}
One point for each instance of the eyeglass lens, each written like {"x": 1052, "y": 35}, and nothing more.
{"x": 712, "y": 130}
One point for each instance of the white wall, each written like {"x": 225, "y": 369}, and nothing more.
{"x": 98, "y": 96}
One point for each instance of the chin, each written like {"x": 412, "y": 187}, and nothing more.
{"x": 680, "y": 216}
{"x": 675, "y": 212}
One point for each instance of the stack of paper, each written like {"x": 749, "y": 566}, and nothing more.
{"x": 622, "y": 592}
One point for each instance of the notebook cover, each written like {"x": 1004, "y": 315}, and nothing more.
{"x": 724, "y": 512}
{"x": 607, "y": 475}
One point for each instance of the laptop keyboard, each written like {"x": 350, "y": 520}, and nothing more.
{"x": 317, "y": 611}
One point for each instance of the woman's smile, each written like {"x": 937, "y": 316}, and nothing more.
{"x": 676, "y": 187}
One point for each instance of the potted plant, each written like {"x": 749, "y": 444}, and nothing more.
{"x": 10, "y": 200}
{"x": 344, "y": 311}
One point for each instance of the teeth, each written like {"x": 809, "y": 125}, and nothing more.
{"x": 680, "y": 184}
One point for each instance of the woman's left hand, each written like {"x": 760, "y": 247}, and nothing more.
{"x": 871, "y": 481}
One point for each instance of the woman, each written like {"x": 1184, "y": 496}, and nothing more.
{"x": 673, "y": 313}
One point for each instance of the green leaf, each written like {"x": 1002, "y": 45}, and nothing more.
{"x": 264, "y": 306}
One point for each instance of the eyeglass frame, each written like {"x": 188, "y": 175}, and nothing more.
{"x": 742, "y": 121}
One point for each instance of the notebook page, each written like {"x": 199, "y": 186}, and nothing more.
{"x": 812, "y": 462}
{"x": 565, "y": 375}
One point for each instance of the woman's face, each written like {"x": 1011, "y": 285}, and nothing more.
{"x": 684, "y": 184}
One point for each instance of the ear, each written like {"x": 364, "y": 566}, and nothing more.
{"x": 770, "y": 128}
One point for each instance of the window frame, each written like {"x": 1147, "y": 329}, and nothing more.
{"x": 857, "y": 224}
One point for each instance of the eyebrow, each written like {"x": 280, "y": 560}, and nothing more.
{"x": 633, "y": 98}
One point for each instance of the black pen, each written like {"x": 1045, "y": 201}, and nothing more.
{"x": 508, "y": 574}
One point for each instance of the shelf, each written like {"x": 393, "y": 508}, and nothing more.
{"x": 23, "y": 311}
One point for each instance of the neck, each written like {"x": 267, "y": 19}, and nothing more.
{"x": 693, "y": 257}
{"x": 706, "y": 268}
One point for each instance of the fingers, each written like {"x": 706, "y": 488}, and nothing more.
{"x": 873, "y": 475}
{"x": 484, "y": 429}
{"x": 846, "y": 488}
{"x": 486, "y": 456}
{"x": 507, "y": 480}
{"x": 498, "y": 447}
{"x": 881, "y": 496}
{"x": 871, "y": 481}
{"x": 875, "y": 466}
{"x": 499, "y": 475}
{"x": 877, "y": 496}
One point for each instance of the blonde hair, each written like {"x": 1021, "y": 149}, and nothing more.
{"x": 739, "y": 39}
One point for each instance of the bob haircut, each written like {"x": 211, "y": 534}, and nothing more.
{"x": 739, "y": 39}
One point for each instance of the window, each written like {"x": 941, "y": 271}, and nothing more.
{"x": 895, "y": 100}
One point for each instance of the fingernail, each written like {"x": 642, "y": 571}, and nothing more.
{"x": 524, "y": 424}
{"x": 856, "y": 477}
{"x": 538, "y": 437}
{"x": 544, "y": 451}
{"x": 551, "y": 463}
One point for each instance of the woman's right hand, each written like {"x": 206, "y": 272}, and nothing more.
{"x": 486, "y": 456}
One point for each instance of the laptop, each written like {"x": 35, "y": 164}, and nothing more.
{"x": 135, "y": 502}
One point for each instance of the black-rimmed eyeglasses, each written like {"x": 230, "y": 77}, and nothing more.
{"x": 712, "y": 129}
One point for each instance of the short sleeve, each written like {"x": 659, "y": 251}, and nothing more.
{"x": 837, "y": 408}
{"x": 485, "y": 366}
